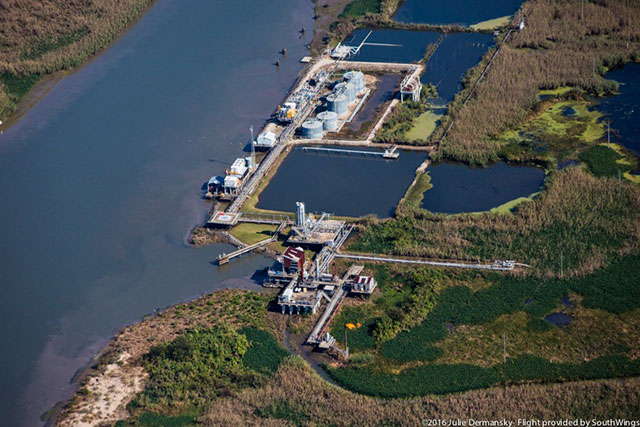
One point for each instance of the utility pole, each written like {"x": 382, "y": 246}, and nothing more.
{"x": 253, "y": 149}
{"x": 346, "y": 344}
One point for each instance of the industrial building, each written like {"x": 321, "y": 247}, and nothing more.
{"x": 228, "y": 186}
{"x": 287, "y": 267}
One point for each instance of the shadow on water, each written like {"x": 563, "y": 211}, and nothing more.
{"x": 462, "y": 12}
{"x": 458, "y": 188}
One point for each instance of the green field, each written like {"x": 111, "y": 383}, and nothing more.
{"x": 458, "y": 345}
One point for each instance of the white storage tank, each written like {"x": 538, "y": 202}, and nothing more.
{"x": 357, "y": 78}
{"x": 329, "y": 120}
{"x": 348, "y": 89}
{"x": 312, "y": 129}
{"x": 338, "y": 104}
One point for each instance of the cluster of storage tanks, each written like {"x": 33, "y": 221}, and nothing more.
{"x": 344, "y": 94}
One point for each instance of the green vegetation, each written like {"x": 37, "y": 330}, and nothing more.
{"x": 194, "y": 367}
{"x": 614, "y": 289}
{"x": 264, "y": 354}
{"x": 556, "y": 132}
{"x": 17, "y": 86}
{"x": 283, "y": 410}
{"x": 41, "y": 38}
{"x": 43, "y": 46}
{"x": 186, "y": 373}
{"x": 360, "y": 338}
{"x": 586, "y": 219}
{"x": 423, "y": 126}
{"x": 411, "y": 121}
{"x": 359, "y": 8}
{"x": 603, "y": 161}
{"x": 508, "y": 207}
{"x": 540, "y": 62}
{"x": 415, "y": 193}
{"x": 492, "y": 24}
{"x": 441, "y": 379}
{"x": 152, "y": 419}
{"x": 252, "y": 233}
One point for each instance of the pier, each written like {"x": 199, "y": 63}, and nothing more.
{"x": 225, "y": 258}
{"x": 389, "y": 153}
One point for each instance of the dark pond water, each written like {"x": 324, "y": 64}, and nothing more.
{"x": 463, "y": 12}
{"x": 456, "y": 54}
{"x": 458, "y": 188}
{"x": 100, "y": 183}
{"x": 384, "y": 91}
{"x": 624, "y": 108}
{"x": 558, "y": 319}
{"x": 345, "y": 186}
{"x": 567, "y": 301}
{"x": 406, "y": 46}
{"x": 568, "y": 112}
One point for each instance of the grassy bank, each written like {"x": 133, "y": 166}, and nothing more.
{"x": 587, "y": 219}
{"x": 41, "y": 38}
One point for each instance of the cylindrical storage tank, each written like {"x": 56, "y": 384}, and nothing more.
{"x": 329, "y": 120}
{"x": 357, "y": 78}
{"x": 348, "y": 90}
{"x": 338, "y": 104}
{"x": 312, "y": 129}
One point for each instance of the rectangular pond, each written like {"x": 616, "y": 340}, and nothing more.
{"x": 458, "y": 188}
{"x": 384, "y": 91}
{"x": 346, "y": 186}
{"x": 457, "y": 53}
{"x": 462, "y": 12}
{"x": 387, "y": 45}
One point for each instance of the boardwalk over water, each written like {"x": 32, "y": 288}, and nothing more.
{"x": 389, "y": 153}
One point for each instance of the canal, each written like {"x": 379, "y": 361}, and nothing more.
{"x": 100, "y": 184}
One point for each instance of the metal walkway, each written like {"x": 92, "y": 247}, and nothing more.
{"x": 225, "y": 258}
{"x": 498, "y": 265}
{"x": 390, "y": 153}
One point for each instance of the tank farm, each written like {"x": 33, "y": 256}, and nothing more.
{"x": 329, "y": 94}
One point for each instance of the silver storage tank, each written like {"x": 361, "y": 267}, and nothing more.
{"x": 357, "y": 78}
{"x": 312, "y": 129}
{"x": 338, "y": 104}
{"x": 347, "y": 89}
{"x": 329, "y": 120}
